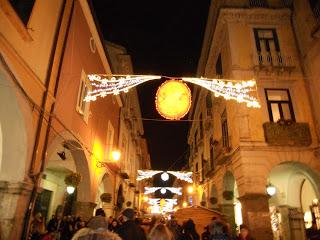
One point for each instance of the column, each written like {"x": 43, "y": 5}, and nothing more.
{"x": 256, "y": 214}
{"x": 227, "y": 209}
{"x": 84, "y": 209}
{"x": 14, "y": 200}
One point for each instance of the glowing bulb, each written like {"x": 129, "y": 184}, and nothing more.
{"x": 115, "y": 155}
{"x": 145, "y": 198}
{"x": 271, "y": 190}
{"x": 70, "y": 189}
{"x": 165, "y": 176}
{"x": 184, "y": 204}
{"x": 163, "y": 191}
{"x": 190, "y": 189}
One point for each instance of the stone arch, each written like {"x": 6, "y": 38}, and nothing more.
{"x": 106, "y": 186}
{"x": 204, "y": 201}
{"x": 229, "y": 183}
{"x": 16, "y": 123}
{"x": 213, "y": 199}
{"x": 297, "y": 190}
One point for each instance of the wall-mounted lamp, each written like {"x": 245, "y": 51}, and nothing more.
{"x": 271, "y": 189}
{"x": 62, "y": 155}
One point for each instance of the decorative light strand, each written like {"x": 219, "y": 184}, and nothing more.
{"x": 175, "y": 190}
{"x": 105, "y": 84}
{"x": 185, "y": 176}
{"x": 238, "y": 90}
{"x": 144, "y": 174}
{"x": 182, "y": 175}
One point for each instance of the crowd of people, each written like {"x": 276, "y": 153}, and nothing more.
{"x": 128, "y": 227}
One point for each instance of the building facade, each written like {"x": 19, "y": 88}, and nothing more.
{"x": 47, "y": 131}
{"x": 236, "y": 152}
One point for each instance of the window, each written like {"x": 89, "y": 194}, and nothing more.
{"x": 201, "y": 126}
{"x": 82, "y": 106}
{"x": 315, "y": 6}
{"x": 219, "y": 70}
{"x": 279, "y": 104}
{"x": 224, "y": 127}
{"x": 109, "y": 141}
{"x": 211, "y": 154}
{"x": 23, "y": 9}
{"x": 258, "y": 3}
{"x": 266, "y": 40}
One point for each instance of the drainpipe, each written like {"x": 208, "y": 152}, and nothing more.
{"x": 36, "y": 177}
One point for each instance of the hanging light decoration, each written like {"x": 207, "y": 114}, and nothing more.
{"x": 241, "y": 91}
{"x": 173, "y": 99}
{"x": 182, "y": 175}
{"x": 163, "y": 190}
{"x": 185, "y": 176}
{"x": 165, "y": 176}
{"x": 144, "y": 174}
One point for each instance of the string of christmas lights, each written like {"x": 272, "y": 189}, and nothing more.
{"x": 145, "y": 174}
{"x": 163, "y": 190}
{"x": 182, "y": 175}
{"x": 241, "y": 91}
{"x": 185, "y": 176}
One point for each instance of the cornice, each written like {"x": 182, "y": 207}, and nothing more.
{"x": 256, "y": 16}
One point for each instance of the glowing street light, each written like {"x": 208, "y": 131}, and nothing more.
{"x": 70, "y": 189}
{"x": 146, "y": 198}
{"x": 115, "y": 155}
{"x": 271, "y": 189}
{"x": 190, "y": 189}
{"x": 184, "y": 204}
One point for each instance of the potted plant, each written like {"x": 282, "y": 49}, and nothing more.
{"x": 227, "y": 195}
{"x": 128, "y": 203}
{"x": 213, "y": 200}
{"x": 73, "y": 179}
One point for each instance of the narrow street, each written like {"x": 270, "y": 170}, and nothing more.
{"x": 160, "y": 120}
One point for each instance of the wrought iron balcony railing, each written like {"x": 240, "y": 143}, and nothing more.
{"x": 273, "y": 60}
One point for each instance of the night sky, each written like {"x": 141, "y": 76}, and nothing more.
{"x": 163, "y": 38}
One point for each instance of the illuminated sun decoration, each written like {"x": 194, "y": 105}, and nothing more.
{"x": 173, "y": 99}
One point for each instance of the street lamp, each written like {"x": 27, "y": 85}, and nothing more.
{"x": 70, "y": 189}
{"x": 190, "y": 189}
{"x": 271, "y": 189}
{"x": 115, "y": 156}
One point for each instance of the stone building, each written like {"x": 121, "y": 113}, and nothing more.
{"x": 47, "y": 131}
{"x": 237, "y": 152}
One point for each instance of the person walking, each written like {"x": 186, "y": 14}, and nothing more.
{"x": 160, "y": 232}
{"x": 189, "y": 231}
{"x": 130, "y": 230}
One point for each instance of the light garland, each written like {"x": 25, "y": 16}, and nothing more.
{"x": 237, "y": 90}
{"x": 182, "y": 175}
{"x": 105, "y": 84}
{"x": 185, "y": 176}
{"x": 144, "y": 174}
{"x": 240, "y": 91}
{"x": 163, "y": 190}
{"x": 162, "y": 205}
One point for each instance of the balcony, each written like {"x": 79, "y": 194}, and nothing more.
{"x": 222, "y": 150}
{"x": 272, "y": 62}
{"x": 287, "y": 133}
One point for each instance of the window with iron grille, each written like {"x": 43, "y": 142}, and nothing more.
{"x": 23, "y": 8}
{"x": 224, "y": 127}
{"x": 279, "y": 104}
{"x": 258, "y": 3}
{"x": 315, "y": 6}
{"x": 266, "y": 40}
